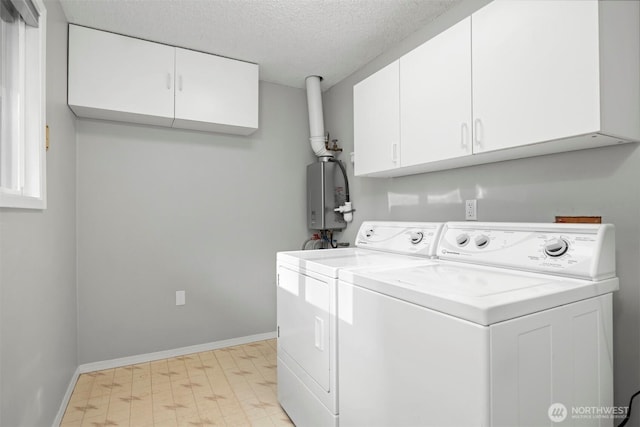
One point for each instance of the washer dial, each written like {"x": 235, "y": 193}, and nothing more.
{"x": 482, "y": 241}
{"x": 556, "y": 247}
{"x": 462, "y": 239}
{"x": 416, "y": 237}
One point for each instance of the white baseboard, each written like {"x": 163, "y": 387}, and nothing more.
{"x": 65, "y": 399}
{"x": 149, "y": 357}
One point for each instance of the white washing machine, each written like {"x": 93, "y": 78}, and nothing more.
{"x": 510, "y": 319}
{"x": 307, "y": 299}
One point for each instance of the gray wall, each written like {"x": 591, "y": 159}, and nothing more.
{"x": 38, "y": 350}
{"x": 161, "y": 210}
{"x": 592, "y": 182}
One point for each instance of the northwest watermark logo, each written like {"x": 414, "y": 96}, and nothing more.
{"x": 557, "y": 412}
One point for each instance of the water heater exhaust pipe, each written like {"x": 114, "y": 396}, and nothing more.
{"x": 316, "y": 118}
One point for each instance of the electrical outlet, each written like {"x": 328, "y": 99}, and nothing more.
{"x": 180, "y": 297}
{"x": 470, "y": 211}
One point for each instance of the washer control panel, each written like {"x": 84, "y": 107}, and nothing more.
{"x": 574, "y": 250}
{"x": 411, "y": 238}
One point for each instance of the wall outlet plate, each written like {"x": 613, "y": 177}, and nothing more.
{"x": 470, "y": 210}
{"x": 180, "y": 297}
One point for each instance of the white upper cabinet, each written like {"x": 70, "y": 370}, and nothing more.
{"x": 535, "y": 72}
{"x": 516, "y": 79}
{"x": 435, "y": 98}
{"x": 121, "y": 78}
{"x": 376, "y": 121}
{"x": 215, "y": 93}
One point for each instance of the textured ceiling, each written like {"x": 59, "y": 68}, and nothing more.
{"x": 289, "y": 39}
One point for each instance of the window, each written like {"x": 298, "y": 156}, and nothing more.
{"x": 22, "y": 104}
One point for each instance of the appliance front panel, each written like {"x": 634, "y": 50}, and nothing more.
{"x": 561, "y": 356}
{"x": 304, "y": 322}
{"x": 404, "y": 365}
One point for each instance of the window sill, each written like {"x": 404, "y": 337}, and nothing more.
{"x": 8, "y": 200}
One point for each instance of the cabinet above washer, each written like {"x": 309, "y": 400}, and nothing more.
{"x": 515, "y": 79}
{"x": 121, "y": 78}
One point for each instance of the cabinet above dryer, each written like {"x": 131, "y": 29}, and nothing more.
{"x": 121, "y": 78}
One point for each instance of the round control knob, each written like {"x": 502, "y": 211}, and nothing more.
{"x": 416, "y": 237}
{"x": 462, "y": 239}
{"x": 556, "y": 247}
{"x": 482, "y": 241}
{"x": 368, "y": 233}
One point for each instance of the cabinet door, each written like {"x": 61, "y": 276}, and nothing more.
{"x": 215, "y": 93}
{"x": 435, "y": 98}
{"x": 376, "y": 121}
{"x": 120, "y": 78}
{"x": 535, "y": 72}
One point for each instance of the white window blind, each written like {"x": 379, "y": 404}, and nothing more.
{"x": 22, "y": 102}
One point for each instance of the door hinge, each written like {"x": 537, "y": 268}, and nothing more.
{"x": 278, "y": 331}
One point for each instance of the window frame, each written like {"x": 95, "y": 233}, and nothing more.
{"x": 32, "y": 164}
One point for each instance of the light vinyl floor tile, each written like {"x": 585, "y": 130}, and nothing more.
{"x": 234, "y": 386}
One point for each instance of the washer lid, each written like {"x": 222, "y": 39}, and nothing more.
{"x": 329, "y": 261}
{"x": 482, "y": 295}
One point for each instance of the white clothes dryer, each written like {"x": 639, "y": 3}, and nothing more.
{"x": 306, "y": 312}
{"x": 512, "y": 326}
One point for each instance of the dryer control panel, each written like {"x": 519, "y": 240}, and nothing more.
{"x": 410, "y": 238}
{"x": 585, "y": 251}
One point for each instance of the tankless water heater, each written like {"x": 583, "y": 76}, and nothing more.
{"x": 324, "y": 194}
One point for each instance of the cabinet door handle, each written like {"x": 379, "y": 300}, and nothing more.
{"x": 464, "y": 135}
{"x": 477, "y": 132}
{"x": 394, "y": 152}
{"x": 168, "y": 81}
{"x": 180, "y": 83}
